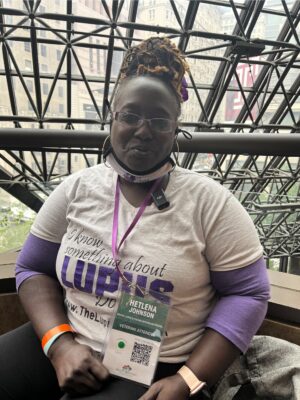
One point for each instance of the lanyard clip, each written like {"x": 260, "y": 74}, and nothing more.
{"x": 159, "y": 199}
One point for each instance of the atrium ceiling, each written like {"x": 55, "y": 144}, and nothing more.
{"x": 60, "y": 61}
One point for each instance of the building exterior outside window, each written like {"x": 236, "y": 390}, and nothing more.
{"x": 58, "y": 54}
{"x": 43, "y": 50}
{"x": 61, "y": 109}
{"x": 45, "y": 88}
{"x": 27, "y": 46}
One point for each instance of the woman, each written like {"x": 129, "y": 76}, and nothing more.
{"x": 198, "y": 252}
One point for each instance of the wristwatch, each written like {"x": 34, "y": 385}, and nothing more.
{"x": 191, "y": 380}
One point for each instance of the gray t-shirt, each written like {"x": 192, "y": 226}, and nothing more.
{"x": 170, "y": 251}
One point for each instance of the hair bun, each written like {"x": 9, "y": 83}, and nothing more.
{"x": 157, "y": 57}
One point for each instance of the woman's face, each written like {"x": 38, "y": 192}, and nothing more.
{"x": 141, "y": 148}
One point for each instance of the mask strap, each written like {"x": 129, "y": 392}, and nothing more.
{"x": 185, "y": 133}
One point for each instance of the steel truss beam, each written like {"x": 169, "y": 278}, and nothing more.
{"x": 204, "y": 142}
{"x": 20, "y": 192}
{"x": 261, "y": 169}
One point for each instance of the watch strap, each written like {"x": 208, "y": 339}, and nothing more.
{"x": 191, "y": 379}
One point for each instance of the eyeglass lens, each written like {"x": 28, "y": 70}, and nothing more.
{"x": 158, "y": 124}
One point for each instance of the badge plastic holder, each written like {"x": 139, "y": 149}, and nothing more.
{"x": 134, "y": 338}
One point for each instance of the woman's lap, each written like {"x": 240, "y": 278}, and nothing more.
{"x": 25, "y": 372}
{"x": 116, "y": 389}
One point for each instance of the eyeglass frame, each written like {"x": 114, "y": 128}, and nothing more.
{"x": 141, "y": 120}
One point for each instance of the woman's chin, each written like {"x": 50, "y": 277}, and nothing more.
{"x": 139, "y": 163}
{"x": 139, "y": 168}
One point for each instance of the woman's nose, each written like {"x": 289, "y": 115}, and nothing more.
{"x": 144, "y": 131}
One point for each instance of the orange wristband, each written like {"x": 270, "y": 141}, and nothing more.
{"x": 54, "y": 331}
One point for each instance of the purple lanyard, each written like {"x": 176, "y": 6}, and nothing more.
{"x": 115, "y": 247}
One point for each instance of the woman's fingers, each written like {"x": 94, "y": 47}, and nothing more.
{"x": 79, "y": 369}
{"x": 170, "y": 388}
{"x": 152, "y": 392}
{"x": 99, "y": 371}
{"x": 82, "y": 383}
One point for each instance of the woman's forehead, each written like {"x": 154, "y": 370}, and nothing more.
{"x": 146, "y": 92}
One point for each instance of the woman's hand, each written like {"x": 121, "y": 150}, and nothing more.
{"x": 170, "y": 388}
{"x": 78, "y": 368}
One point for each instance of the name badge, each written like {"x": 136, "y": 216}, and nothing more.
{"x": 135, "y": 338}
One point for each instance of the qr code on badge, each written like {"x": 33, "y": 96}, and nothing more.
{"x": 141, "y": 353}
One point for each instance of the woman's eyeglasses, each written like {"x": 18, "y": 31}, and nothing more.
{"x": 135, "y": 121}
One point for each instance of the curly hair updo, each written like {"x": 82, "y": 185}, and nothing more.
{"x": 157, "y": 57}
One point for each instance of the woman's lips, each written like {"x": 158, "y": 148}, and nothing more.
{"x": 143, "y": 150}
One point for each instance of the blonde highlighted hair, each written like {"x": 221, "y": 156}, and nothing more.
{"x": 157, "y": 57}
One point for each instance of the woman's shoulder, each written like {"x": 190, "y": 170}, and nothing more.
{"x": 195, "y": 181}
{"x": 94, "y": 175}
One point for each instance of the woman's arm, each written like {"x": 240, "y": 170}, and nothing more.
{"x": 42, "y": 300}
{"x": 39, "y": 290}
{"x": 78, "y": 368}
{"x": 243, "y": 298}
{"x": 234, "y": 320}
{"x": 209, "y": 360}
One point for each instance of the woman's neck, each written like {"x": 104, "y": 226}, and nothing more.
{"x": 135, "y": 193}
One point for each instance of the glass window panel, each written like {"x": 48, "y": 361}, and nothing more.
{"x": 230, "y": 107}
{"x": 30, "y": 85}
{"x": 5, "y": 108}
{"x": 211, "y": 47}
{"x": 52, "y": 6}
{"x": 30, "y": 125}
{"x": 20, "y": 31}
{"x": 54, "y": 109}
{"x": 14, "y": 19}
{"x": 203, "y": 71}
{"x": 28, "y": 65}
{"x": 161, "y": 13}
{"x": 22, "y": 101}
{"x": 61, "y": 109}
{"x": 51, "y": 29}
{"x": 268, "y": 26}
{"x": 276, "y": 5}
{"x": 50, "y": 63}
{"x": 203, "y": 162}
{"x": 116, "y": 63}
{"x": 288, "y": 120}
{"x": 15, "y": 222}
{"x": 60, "y": 91}
{"x": 296, "y": 110}
{"x": 96, "y": 10}
{"x": 272, "y": 108}
{"x": 27, "y": 47}
{"x": 191, "y": 109}
{"x": 290, "y": 78}
{"x": 182, "y": 7}
{"x": 22, "y": 56}
{"x": 45, "y": 89}
{"x": 43, "y": 50}
{"x": 92, "y": 60}
{"x": 217, "y": 19}
{"x": 90, "y": 34}
{"x": 82, "y": 104}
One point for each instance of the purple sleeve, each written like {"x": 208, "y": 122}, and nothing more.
{"x": 242, "y": 305}
{"x": 37, "y": 257}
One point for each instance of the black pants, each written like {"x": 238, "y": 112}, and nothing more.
{"x": 27, "y": 374}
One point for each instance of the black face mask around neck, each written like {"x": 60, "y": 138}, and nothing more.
{"x": 162, "y": 168}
